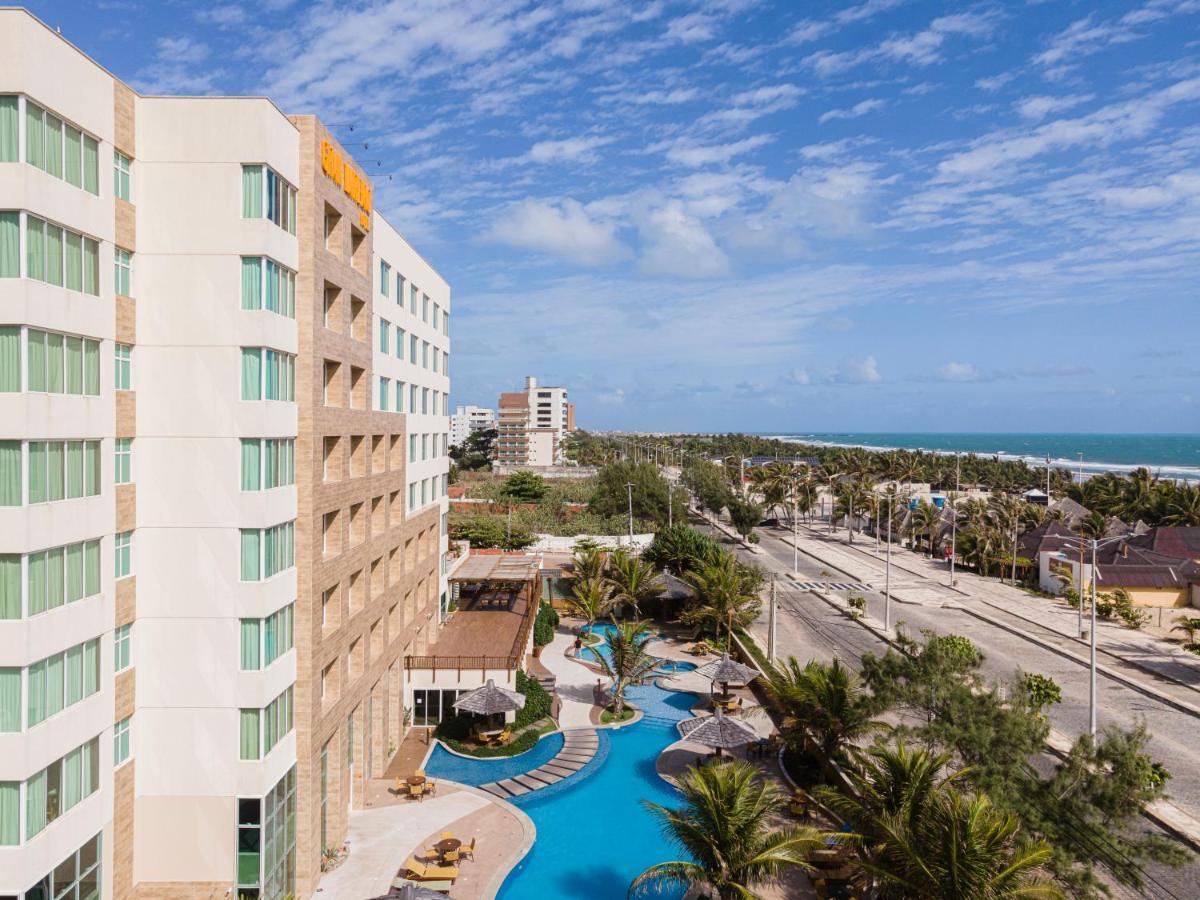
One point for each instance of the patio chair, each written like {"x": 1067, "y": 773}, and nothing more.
{"x": 418, "y": 871}
{"x": 468, "y": 850}
{"x": 416, "y": 790}
{"x": 450, "y": 856}
{"x": 399, "y": 787}
{"x": 431, "y": 786}
{"x": 439, "y": 887}
{"x": 447, "y": 836}
{"x": 429, "y": 855}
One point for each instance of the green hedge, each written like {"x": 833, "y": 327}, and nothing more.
{"x": 543, "y": 626}
{"x": 537, "y": 701}
{"x": 537, "y": 706}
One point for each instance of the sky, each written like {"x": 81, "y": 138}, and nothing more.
{"x": 760, "y": 216}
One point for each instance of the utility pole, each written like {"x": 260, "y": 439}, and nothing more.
{"x": 1016, "y": 522}
{"x": 954, "y": 516}
{"x": 629, "y": 489}
{"x": 1092, "y": 683}
{"x": 1079, "y": 610}
{"x": 795, "y": 539}
{"x": 887, "y": 579}
{"x": 670, "y": 506}
{"x": 771, "y": 625}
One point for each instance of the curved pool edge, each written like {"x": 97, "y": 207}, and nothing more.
{"x": 528, "y": 837}
{"x": 438, "y": 742}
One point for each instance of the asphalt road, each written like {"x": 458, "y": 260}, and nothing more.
{"x": 807, "y": 627}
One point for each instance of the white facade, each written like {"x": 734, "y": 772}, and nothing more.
{"x": 467, "y": 420}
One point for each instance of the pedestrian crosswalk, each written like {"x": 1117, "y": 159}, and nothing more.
{"x": 831, "y": 586}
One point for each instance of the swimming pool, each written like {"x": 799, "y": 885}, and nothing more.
{"x": 444, "y": 764}
{"x": 666, "y": 666}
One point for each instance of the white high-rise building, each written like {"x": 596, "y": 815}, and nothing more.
{"x": 466, "y": 420}
{"x": 223, "y": 473}
{"x": 532, "y": 424}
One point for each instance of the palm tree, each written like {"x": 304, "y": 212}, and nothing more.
{"x": 591, "y": 598}
{"x": 633, "y": 580}
{"x": 627, "y": 661}
{"x": 589, "y": 562}
{"x": 725, "y": 598}
{"x": 926, "y": 520}
{"x": 922, "y": 837}
{"x": 825, "y": 701}
{"x": 1189, "y": 626}
{"x": 725, "y": 829}
{"x": 1093, "y": 525}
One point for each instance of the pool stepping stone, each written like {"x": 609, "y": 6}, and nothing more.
{"x": 579, "y": 748}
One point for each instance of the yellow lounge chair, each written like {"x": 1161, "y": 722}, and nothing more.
{"x": 431, "y": 786}
{"x": 450, "y": 856}
{"x": 418, "y": 871}
{"x": 400, "y": 787}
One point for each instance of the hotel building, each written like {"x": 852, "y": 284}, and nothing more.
{"x": 532, "y": 424}
{"x": 466, "y": 420}
{"x": 223, "y": 435}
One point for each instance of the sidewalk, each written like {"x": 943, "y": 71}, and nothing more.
{"x": 920, "y": 580}
{"x": 574, "y": 682}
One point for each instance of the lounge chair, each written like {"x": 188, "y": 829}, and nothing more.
{"x": 468, "y": 849}
{"x": 429, "y": 855}
{"x": 441, "y": 887}
{"x": 418, "y": 871}
{"x": 400, "y": 787}
{"x": 431, "y": 786}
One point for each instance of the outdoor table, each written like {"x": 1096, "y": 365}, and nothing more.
{"x": 415, "y": 780}
{"x": 446, "y": 846}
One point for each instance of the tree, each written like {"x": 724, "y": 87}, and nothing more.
{"x": 744, "y": 515}
{"x": 1040, "y": 690}
{"x": 633, "y": 580}
{"x": 591, "y": 598}
{"x": 488, "y": 531}
{"x": 588, "y": 562}
{"x": 708, "y": 483}
{"x": 926, "y": 520}
{"x": 527, "y": 487}
{"x": 627, "y": 661}
{"x": 827, "y": 701}
{"x": 650, "y": 492}
{"x": 725, "y": 593}
{"x": 679, "y": 549}
{"x": 1189, "y": 626}
{"x": 476, "y": 450}
{"x": 726, "y": 829}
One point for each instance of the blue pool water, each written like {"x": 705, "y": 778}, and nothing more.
{"x": 444, "y": 764}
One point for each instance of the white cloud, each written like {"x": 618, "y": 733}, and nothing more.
{"x": 957, "y": 372}
{"x": 676, "y": 243}
{"x": 1037, "y": 108}
{"x": 563, "y": 229}
{"x": 995, "y": 82}
{"x": 568, "y": 150}
{"x": 857, "y": 371}
{"x": 858, "y": 109}
{"x": 694, "y": 155}
{"x": 222, "y": 15}
{"x": 691, "y": 28}
{"x": 921, "y": 48}
{"x": 663, "y": 98}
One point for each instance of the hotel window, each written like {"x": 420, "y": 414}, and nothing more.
{"x": 55, "y": 147}
{"x": 437, "y": 317}
{"x": 446, "y": 322}
{"x": 436, "y": 360}
{"x": 424, "y": 447}
{"x": 385, "y": 277}
{"x": 121, "y": 742}
{"x": 121, "y": 647}
{"x": 268, "y": 285}
{"x": 77, "y": 876}
{"x": 412, "y": 398}
{"x": 412, "y": 496}
{"x": 122, "y": 272}
{"x": 265, "y": 640}
{"x": 58, "y": 256}
{"x": 123, "y": 461}
{"x": 59, "y": 787}
{"x": 400, "y": 289}
{"x": 425, "y": 308}
{"x": 60, "y": 681}
{"x": 9, "y": 131}
{"x": 399, "y": 396}
{"x": 123, "y": 365}
{"x": 63, "y": 470}
{"x": 53, "y": 577}
{"x": 424, "y": 491}
{"x": 268, "y": 374}
{"x": 412, "y": 448}
{"x": 121, "y": 175}
{"x": 10, "y": 707}
{"x": 266, "y": 842}
{"x": 384, "y": 384}
{"x": 10, "y": 244}
{"x": 123, "y": 555}
{"x": 412, "y": 349}
{"x": 266, "y": 195}
{"x": 425, "y": 400}
{"x": 265, "y": 552}
{"x": 268, "y": 463}
{"x": 261, "y": 730}
{"x": 399, "y": 343}
{"x": 412, "y": 299}
{"x": 57, "y": 363}
{"x": 385, "y": 330}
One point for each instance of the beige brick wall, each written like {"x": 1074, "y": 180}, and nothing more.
{"x": 126, "y": 234}
{"x": 126, "y": 507}
{"x": 122, "y": 840}
{"x": 126, "y": 413}
{"x": 124, "y": 130}
{"x": 126, "y": 320}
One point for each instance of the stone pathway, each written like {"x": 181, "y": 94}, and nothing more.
{"x": 574, "y": 682}
{"x": 579, "y": 747}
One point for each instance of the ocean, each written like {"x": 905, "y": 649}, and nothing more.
{"x": 1174, "y": 456}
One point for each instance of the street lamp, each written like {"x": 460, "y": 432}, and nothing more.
{"x": 954, "y": 516}
{"x": 1095, "y": 544}
{"x": 887, "y": 578}
{"x": 629, "y": 489}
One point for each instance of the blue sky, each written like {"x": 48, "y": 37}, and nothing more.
{"x": 761, "y": 216}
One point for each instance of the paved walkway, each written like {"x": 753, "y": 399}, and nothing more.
{"x": 574, "y": 682}
{"x": 579, "y": 746}
{"x": 382, "y": 838}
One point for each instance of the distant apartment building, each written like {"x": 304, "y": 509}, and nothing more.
{"x": 532, "y": 424}
{"x": 223, "y": 471}
{"x": 466, "y": 420}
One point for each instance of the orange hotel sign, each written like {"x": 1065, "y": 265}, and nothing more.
{"x": 350, "y": 180}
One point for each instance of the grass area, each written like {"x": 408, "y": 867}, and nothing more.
{"x": 750, "y": 644}
{"x": 525, "y": 740}
{"x": 608, "y": 716}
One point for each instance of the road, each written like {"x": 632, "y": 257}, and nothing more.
{"x": 808, "y": 626}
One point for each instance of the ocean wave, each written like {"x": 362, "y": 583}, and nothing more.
{"x": 1172, "y": 472}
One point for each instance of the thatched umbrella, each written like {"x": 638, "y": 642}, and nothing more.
{"x": 718, "y": 731}
{"x": 490, "y": 700}
{"x": 727, "y": 671}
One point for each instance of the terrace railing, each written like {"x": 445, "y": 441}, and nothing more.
{"x": 458, "y": 664}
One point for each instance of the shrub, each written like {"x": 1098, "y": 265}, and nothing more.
{"x": 537, "y": 700}
{"x": 528, "y": 487}
{"x": 544, "y": 625}
{"x": 1040, "y": 690}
